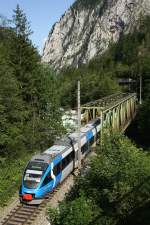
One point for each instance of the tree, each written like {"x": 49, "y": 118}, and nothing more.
{"x": 81, "y": 211}
{"x": 144, "y": 121}
{"x": 22, "y": 26}
{"x": 94, "y": 85}
{"x": 30, "y": 117}
{"x": 117, "y": 184}
{"x": 11, "y": 107}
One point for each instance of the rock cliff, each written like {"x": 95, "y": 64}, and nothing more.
{"x": 89, "y": 27}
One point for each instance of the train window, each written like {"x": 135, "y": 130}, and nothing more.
{"x": 57, "y": 169}
{"x": 47, "y": 179}
{"x": 97, "y": 122}
{"x": 40, "y": 166}
{"x": 76, "y": 156}
{"x": 67, "y": 160}
{"x": 72, "y": 155}
{"x": 92, "y": 141}
{"x": 84, "y": 148}
{"x": 32, "y": 180}
{"x": 64, "y": 163}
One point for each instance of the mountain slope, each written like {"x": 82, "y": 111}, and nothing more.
{"x": 89, "y": 27}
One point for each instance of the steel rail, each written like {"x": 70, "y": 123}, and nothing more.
{"x": 24, "y": 214}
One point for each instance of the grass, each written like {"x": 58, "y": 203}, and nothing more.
{"x": 10, "y": 178}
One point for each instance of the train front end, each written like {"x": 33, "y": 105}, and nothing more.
{"x": 31, "y": 190}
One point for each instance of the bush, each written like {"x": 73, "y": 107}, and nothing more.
{"x": 116, "y": 185}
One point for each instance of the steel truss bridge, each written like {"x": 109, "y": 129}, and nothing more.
{"x": 116, "y": 111}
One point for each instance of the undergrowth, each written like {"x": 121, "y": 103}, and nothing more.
{"x": 10, "y": 178}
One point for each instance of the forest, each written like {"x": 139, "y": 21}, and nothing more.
{"x": 30, "y": 118}
{"x": 128, "y": 58}
{"x": 31, "y": 95}
{"x": 116, "y": 188}
{"x": 114, "y": 191}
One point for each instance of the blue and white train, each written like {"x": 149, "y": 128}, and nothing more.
{"x": 46, "y": 170}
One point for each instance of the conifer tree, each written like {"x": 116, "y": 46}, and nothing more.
{"x": 30, "y": 118}
{"x": 22, "y": 26}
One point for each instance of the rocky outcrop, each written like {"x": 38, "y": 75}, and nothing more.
{"x": 86, "y": 31}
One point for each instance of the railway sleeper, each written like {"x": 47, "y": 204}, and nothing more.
{"x": 15, "y": 219}
{"x": 13, "y": 223}
{"x": 23, "y": 214}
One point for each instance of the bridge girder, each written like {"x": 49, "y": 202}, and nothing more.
{"x": 116, "y": 111}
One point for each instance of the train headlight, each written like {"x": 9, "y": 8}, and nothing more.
{"x": 27, "y": 197}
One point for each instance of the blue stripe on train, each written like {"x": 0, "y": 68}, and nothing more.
{"x": 57, "y": 159}
{"x": 89, "y": 135}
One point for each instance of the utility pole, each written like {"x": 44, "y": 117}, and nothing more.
{"x": 140, "y": 90}
{"x": 77, "y": 58}
{"x": 140, "y": 73}
{"x": 101, "y": 131}
{"x": 79, "y": 126}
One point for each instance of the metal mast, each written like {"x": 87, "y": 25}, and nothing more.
{"x": 79, "y": 126}
{"x": 140, "y": 90}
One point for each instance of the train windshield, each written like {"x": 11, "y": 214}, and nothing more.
{"x": 33, "y": 174}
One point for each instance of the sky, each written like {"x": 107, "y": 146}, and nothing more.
{"x": 41, "y": 15}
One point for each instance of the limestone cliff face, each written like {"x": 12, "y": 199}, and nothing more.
{"x": 86, "y": 31}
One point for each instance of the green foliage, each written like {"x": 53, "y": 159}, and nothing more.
{"x": 22, "y": 26}
{"x": 144, "y": 121}
{"x": 80, "y": 211}
{"x": 10, "y": 179}
{"x": 139, "y": 217}
{"x": 130, "y": 56}
{"x": 118, "y": 182}
{"x": 116, "y": 185}
{"x": 11, "y": 106}
{"x": 125, "y": 171}
{"x": 30, "y": 117}
{"x": 94, "y": 85}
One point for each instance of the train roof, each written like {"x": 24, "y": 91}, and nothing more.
{"x": 56, "y": 150}
{"x": 85, "y": 129}
{"x": 74, "y": 136}
{"x": 41, "y": 158}
{"x": 63, "y": 144}
{"x": 93, "y": 122}
{"x": 59, "y": 147}
{"x": 64, "y": 141}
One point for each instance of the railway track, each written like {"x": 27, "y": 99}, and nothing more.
{"x": 26, "y": 214}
